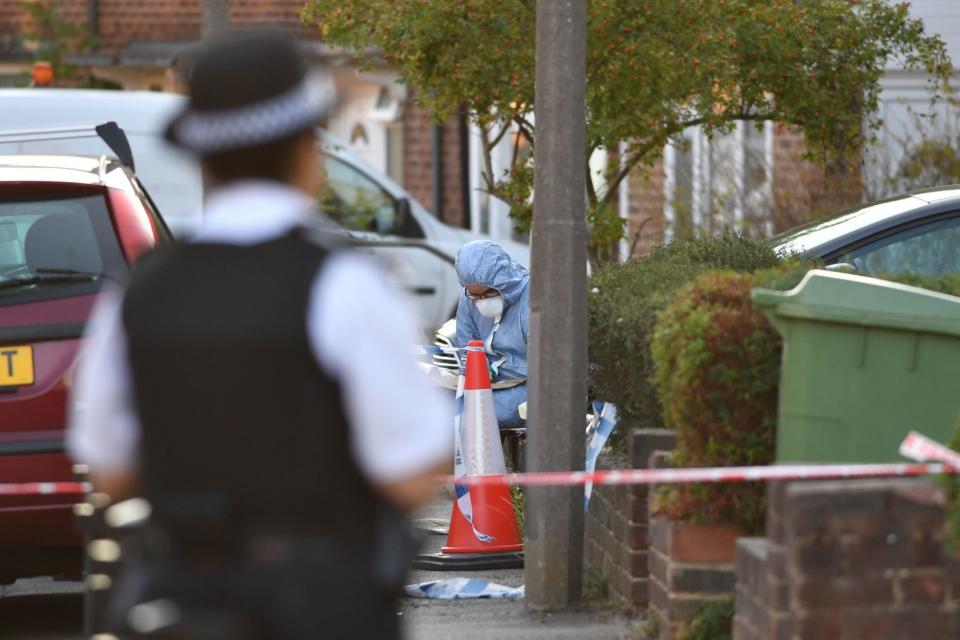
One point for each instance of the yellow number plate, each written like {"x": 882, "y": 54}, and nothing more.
{"x": 16, "y": 366}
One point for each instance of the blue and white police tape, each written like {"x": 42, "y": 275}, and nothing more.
{"x": 463, "y": 589}
{"x": 604, "y": 421}
{"x": 460, "y": 469}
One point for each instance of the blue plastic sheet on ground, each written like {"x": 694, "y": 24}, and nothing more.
{"x": 462, "y": 589}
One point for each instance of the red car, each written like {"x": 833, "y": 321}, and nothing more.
{"x": 69, "y": 225}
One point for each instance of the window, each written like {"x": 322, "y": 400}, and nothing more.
{"x": 67, "y": 240}
{"x": 357, "y": 202}
{"x": 719, "y": 183}
{"x": 395, "y": 153}
{"x": 931, "y": 249}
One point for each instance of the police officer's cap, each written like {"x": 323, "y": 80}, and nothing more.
{"x": 248, "y": 89}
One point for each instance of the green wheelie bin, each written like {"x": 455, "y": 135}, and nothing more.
{"x": 864, "y": 362}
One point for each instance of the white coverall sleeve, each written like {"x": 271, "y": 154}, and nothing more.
{"x": 362, "y": 332}
{"x": 103, "y": 430}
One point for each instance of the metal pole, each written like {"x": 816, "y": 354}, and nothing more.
{"x": 557, "y": 390}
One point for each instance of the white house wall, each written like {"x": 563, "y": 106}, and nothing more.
{"x": 905, "y": 99}
{"x": 941, "y": 17}
{"x": 356, "y": 98}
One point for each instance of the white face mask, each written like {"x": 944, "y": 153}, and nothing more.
{"x": 490, "y": 307}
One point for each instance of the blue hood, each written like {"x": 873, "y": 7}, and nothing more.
{"x": 484, "y": 262}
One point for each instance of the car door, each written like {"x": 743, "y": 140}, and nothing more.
{"x": 929, "y": 248}
{"x": 382, "y": 225}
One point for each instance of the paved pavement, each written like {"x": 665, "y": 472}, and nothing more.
{"x": 500, "y": 619}
{"x": 41, "y": 609}
{"x": 44, "y": 609}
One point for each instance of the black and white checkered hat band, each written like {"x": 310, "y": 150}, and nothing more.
{"x": 256, "y": 124}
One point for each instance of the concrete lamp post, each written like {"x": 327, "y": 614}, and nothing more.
{"x": 558, "y": 318}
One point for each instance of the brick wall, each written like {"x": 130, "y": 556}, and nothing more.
{"x": 453, "y": 173}
{"x": 418, "y": 162}
{"x": 617, "y": 522}
{"x": 804, "y": 190}
{"x": 16, "y": 21}
{"x": 278, "y": 14}
{"x": 762, "y": 586}
{"x": 862, "y": 559}
{"x": 645, "y": 223}
{"x": 691, "y": 566}
{"x": 121, "y": 22}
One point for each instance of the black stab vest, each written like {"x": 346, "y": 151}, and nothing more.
{"x": 241, "y": 429}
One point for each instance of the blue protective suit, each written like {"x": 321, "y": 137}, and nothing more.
{"x": 486, "y": 263}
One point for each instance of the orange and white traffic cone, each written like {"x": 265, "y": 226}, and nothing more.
{"x": 483, "y": 526}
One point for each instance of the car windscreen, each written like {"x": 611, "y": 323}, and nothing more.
{"x": 56, "y": 244}
{"x": 819, "y": 232}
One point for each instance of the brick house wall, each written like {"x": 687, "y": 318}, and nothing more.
{"x": 15, "y": 20}
{"x": 277, "y": 14}
{"x": 645, "y": 221}
{"x": 454, "y": 169}
{"x": 418, "y": 137}
{"x": 802, "y": 189}
{"x": 122, "y": 22}
{"x": 417, "y": 160}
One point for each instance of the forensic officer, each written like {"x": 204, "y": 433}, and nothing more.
{"x": 495, "y": 307}
{"x": 255, "y": 386}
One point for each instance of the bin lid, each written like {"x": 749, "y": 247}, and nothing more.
{"x": 861, "y": 300}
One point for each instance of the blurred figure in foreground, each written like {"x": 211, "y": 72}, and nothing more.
{"x": 494, "y": 307}
{"x": 255, "y": 385}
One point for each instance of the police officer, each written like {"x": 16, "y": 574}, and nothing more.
{"x": 254, "y": 384}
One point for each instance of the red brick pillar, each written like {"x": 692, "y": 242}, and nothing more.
{"x": 763, "y": 590}
{"x": 849, "y": 559}
{"x": 865, "y": 560}
{"x": 617, "y": 523}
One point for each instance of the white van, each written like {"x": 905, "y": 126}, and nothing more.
{"x": 380, "y": 214}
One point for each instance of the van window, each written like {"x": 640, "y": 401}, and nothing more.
{"x": 356, "y": 201}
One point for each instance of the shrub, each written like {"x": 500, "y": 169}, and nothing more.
{"x": 948, "y": 283}
{"x": 717, "y": 369}
{"x": 951, "y": 503}
{"x": 717, "y": 374}
{"x": 714, "y": 621}
{"x": 623, "y": 304}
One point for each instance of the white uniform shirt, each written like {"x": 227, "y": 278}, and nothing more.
{"x": 359, "y": 327}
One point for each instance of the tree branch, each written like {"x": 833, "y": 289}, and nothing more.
{"x": 525, "y": 128}
{"x": 496, "y": 140}
{"x": 487, "y": 173}
{"x": 516, "y": 150}
{"x": 591, "y": 190}
{"x": 627, "y": 167}
{"x": 643, "y": 150}
{"x": 636, "y": 236}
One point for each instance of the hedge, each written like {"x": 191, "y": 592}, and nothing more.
{"x": 624, "y": 300}
{"x": 717, "y": 372}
